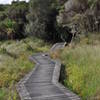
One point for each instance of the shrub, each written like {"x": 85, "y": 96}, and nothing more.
{"x": 82, "y": 69}
{"x": 7, "y": 30}
{"x": 12, "y": 20}
{"x": 42, "y": 20}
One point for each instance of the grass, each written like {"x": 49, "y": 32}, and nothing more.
{"x": 82, "y": 64}
{"x": 14, "y": 63}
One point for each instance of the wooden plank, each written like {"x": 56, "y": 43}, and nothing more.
{"x": 42, "y": 83}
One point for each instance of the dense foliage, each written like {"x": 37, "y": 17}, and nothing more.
{"x": 83, "y": 14}
{"x": 42, "y": 19}
{"x": 12, "y": 20}
{"x": 55, "y": 20}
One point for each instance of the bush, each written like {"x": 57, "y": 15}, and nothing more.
{"x": 3, "y": 16}
{"x": 17, "y": 12}
{"x": 82, "y": 70}
{"x": 7, "y": 30}
{"x": 42, "y": 20}
{"x": 12, "y": 20}
{"x": 84, "y": 13}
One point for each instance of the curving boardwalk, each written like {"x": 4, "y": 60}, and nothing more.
{"x": 42, "y": 82}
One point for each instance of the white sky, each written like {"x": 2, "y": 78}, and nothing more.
{"x": 9, "y": 1}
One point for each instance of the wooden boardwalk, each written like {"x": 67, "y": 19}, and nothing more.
{"x": 42, "y": 82}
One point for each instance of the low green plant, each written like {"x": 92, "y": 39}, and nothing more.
{"x": 2, "y": 94}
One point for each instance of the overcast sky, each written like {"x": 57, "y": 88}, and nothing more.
{"x": 9, "y": 1}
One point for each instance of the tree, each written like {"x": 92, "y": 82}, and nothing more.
{"x": 83, "y": 13}
{"x": 42, "y": 19}
{"x": 38, "y": 16}
{"x": 17, "y": 12}
{"x": 13, "y": 20}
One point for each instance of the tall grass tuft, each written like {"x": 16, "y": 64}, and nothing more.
{"x": 83, "y": 70}
{"x": 14, "y": 63}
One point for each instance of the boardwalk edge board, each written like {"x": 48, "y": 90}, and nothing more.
{"x": 55, "y": 80}
{"x": 23, "y": 92}
{"x": 21, "y": 89}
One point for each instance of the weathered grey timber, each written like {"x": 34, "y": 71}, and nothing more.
{"x": 58, "y": 46}
{"x": 42, "y": 83}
